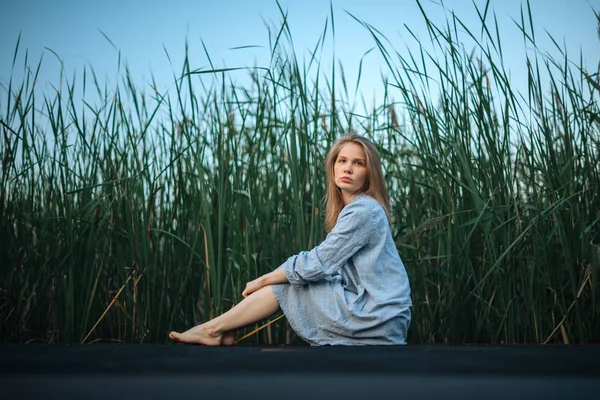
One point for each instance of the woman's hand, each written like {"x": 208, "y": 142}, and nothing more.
{"x": 272, "y": 278}
{"x": 253, "y": 286}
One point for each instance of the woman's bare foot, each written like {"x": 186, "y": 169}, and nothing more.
{"x": 228, "y": 338}
{"x": 201, "y": 335}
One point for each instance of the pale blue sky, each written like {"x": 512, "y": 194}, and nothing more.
{"x": 140, "y": 30}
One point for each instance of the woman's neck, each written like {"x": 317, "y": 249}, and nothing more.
{"x": 347, "y": 198}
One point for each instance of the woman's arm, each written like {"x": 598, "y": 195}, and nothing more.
{"x": 351, "y": 233}
{"x": 272, "y": 278}
{"x": 275, "y": 277}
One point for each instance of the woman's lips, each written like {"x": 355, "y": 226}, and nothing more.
{"x": 346, "y": 180}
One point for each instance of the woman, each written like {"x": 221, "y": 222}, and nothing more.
{"x": 352, "y": 289}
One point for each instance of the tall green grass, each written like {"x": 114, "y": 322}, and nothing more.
{"x": 125, "y": 217}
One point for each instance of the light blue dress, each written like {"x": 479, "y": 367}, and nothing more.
{"x": 352, "y": 289}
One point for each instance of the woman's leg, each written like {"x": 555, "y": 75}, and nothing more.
{"x": 220, "y": 330}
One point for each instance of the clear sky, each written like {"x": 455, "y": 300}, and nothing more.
{"x": 143, "y": 29}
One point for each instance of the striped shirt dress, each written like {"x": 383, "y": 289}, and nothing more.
{"x": 352, "y": 289}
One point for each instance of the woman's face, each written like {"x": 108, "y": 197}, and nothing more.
{"x": 350, "y": 170}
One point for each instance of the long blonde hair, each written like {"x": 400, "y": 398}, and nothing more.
{"x": 374, "y": 184}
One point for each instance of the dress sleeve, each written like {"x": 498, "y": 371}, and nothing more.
{"x": 351, "y": 232}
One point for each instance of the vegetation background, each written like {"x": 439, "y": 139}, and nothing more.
{"x": 124, "y": 217}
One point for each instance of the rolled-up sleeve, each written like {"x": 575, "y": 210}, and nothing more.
{"x": 351, "y": 232}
